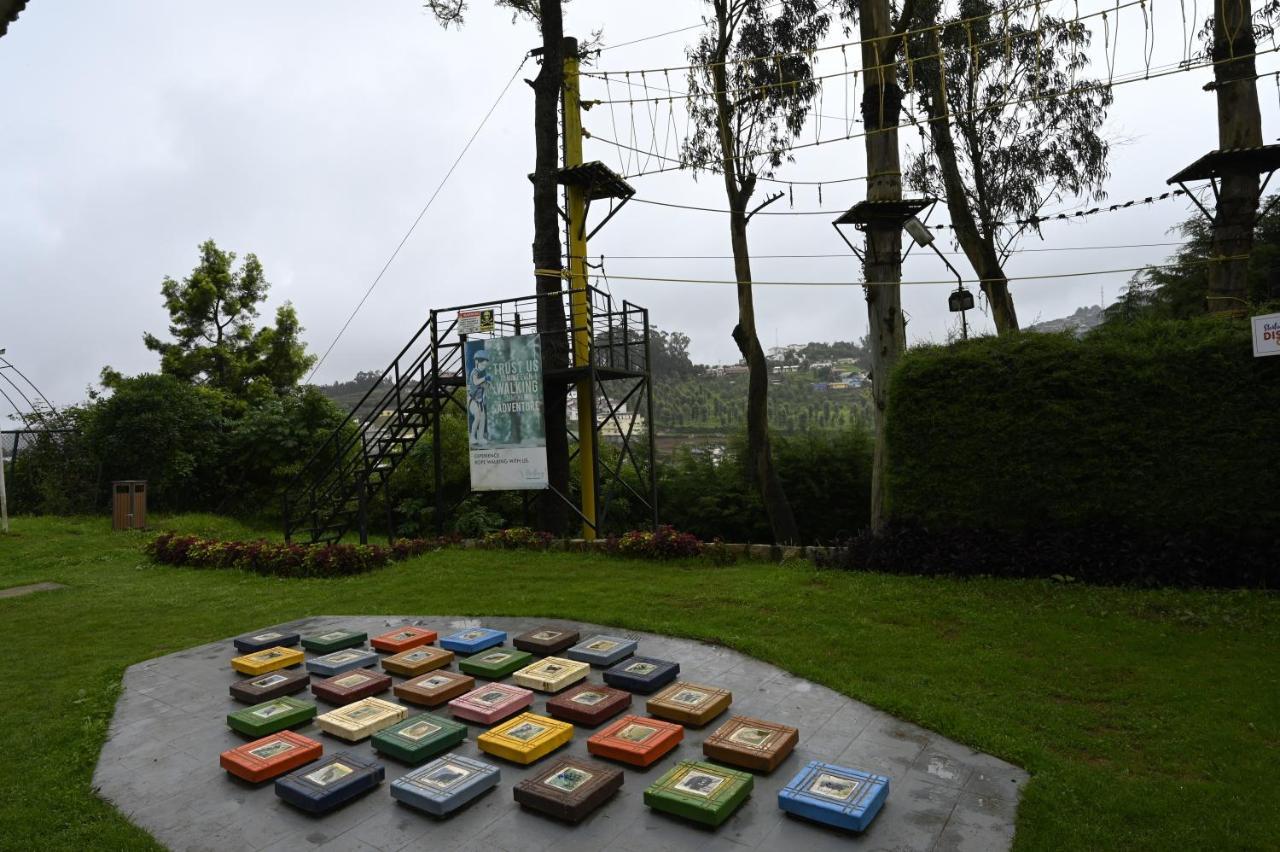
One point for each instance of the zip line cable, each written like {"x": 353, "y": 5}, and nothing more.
{"x": 845, "y": 255}
{"x": 444, "y": 180}
{"x": 975, "y": 281}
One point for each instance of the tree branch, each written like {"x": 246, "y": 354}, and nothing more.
{"x": 764, "y": 204}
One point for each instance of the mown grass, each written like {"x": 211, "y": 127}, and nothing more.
{"x": 1148, "y": 719}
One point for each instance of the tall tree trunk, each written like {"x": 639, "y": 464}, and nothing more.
{"x": 1239, "y": 126}
{"x": 552, "y": 512}
{"x": 978, "y": 247}
{"x": 738, "y": 190}
{"x": 882, "y": 263}
{"x": 759, "y": 449}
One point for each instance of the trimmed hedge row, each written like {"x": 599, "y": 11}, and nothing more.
{"x": 1142, "y": 451}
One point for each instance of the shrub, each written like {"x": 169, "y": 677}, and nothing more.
{"x": 278, "y": 559}
{"x": 664, "y": 543}
{"x": 518, "y": 538}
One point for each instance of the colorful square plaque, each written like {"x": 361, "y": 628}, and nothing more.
{"x": 569, "y": 789}
{"x": 601, "y": 650}
{"x": 434, "y": 688}
{"x": 642, "y": 674}
{"x": 362, "y": 719}
{"x": 351, "y": 686}
{"x": 419, "y": 738}
{"x": 552, "y": 674}
{"x": 402, "y": 639}
{"x": 473, "y": 640}
{"x": 271, "y": 716}
{"x": 265, "y": 639}
{"x": 342, "y": 661}
{"x": 490, "y": 704}
{"x": 690, "y": 704}
{"x": 445, "y": 784}
{"x": 270, "y": 756}
{"x": 588, "y": 704}
{"x": 546, "y": 640}
{"x": 525, "y": 739}
{"x": 495, "y": 663}
{"x": 270, "y": 660}
{"x": 331, "y": 782}
{"x": 699, "y": 791}
{"x": 751, "y": 743}
{"x": 636, "y": 740}
{"x": 333, "y": 640}
{"x": 834, "y": 795}
{"x": 417, "y": 661}
{"x": 255, "y": 690}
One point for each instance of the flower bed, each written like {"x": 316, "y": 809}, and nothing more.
{"x": 277, "y": 559}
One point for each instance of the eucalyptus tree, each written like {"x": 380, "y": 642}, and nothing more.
{"x": 1012, "y": 126}
{"x": 547, "y": 89}
{"x": 752, "y": 88}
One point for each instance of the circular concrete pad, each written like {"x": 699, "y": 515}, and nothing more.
{"x": 160, "y": 768}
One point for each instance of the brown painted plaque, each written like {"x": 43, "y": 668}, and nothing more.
{"x": 588, "y": 704}
{"x": 351, "y": 686}
{"x": 692, "y": 704}
{"x": 435, "y": 688}
{"x": 417, "y": 661}
{"x": 546, "y": 640}
{"x": 264, "y": 687}
{"x": 569, "y": 789}
{"x": 751, "y": 743}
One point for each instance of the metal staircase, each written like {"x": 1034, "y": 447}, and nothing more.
{"x": 332, "y": 494}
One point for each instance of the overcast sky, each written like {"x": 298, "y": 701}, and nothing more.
{"x": 312, "y": 134}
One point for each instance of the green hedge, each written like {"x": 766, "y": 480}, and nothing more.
{"x": 1158, "y": 426}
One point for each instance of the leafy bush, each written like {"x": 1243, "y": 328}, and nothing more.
{"x": 277, "y": 559}
{"x": 664, "y": 543}
{"x": 518, "y": 538}
{"x": 1156, "y": 438}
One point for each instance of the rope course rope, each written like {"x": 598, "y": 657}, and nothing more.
{"x": 845, "y": 255}
{"x": 1033, "y": 221}
{"x": 1131, "y": 77}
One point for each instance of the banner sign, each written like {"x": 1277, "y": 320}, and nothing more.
{"x": 475, "y": 322}
{"x": 506, "y": 430}
{"x": 1266, "y": 335}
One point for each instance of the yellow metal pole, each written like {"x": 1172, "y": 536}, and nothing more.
{"x": 576, "y": 207}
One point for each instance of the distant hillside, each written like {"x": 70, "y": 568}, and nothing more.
{"x": 346, "y": 394}
{"x": 1080, "y": 323}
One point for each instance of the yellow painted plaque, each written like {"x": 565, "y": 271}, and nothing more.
{"x": 552, "y": 674}
{"x": 261, "y": 662}
{"x": 526, "y": 738}
{"x": 362, "y": 719}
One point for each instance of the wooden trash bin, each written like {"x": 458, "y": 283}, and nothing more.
{"x": 129, "y": 504}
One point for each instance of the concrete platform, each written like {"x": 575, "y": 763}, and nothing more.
{"x": 160, "y": 768}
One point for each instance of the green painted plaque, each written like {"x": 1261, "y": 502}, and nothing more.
{"x": 495, "y": 663}
{"x": 419, "y": 738}
{"x": 271, "y": 716}
{"x": 333, "y": 640}
{"x": 699, "y": 791}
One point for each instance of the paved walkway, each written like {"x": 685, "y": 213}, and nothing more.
{"x": 160, "y": 768}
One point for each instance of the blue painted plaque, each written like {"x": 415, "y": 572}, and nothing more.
{"x": 264, "y": 639}
{"x": 445, "y": 784}
{"x": 602, "y": 650}
{"x": 330, "y": 782}
{"x": 473, "y": 640}
{"x": 338, "y": 662}
{"x": 834, "y": 795}
{"x": 642, "y": 674}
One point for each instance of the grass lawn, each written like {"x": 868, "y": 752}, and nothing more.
{"x": 1148, "y": 719}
